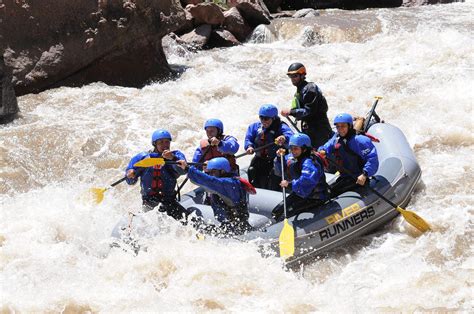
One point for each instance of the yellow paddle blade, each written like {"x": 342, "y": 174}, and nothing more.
{"x": 150, "y": 162}
{"x": 97, "y": 194}
{"x": 414, "y": 220}
{"x": 287, "y": 240}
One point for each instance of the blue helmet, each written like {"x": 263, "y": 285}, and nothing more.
{"x": 160, "y": 134}
{"x": 218, "y": 163}
{"x": 215, "y": 123}
{"x": 268, "y": 110}
{"x": 343, "y": 118}
{"x": 300, "y": 139}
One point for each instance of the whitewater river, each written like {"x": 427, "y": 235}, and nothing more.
{"x": 54, "y": 244}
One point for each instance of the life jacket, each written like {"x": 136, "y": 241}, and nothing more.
{"x": 159, "y": 175}
{"x": 345, "y": 157}
{"x": 157, "y": 182}
{"x": 266, "y": 136}
{"x": 213, "y": 152}
{"x": 294, "y": 168}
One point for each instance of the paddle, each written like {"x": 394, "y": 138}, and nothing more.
{"x": 293, "y": 123}
{"x": 371, "y": 113}
{"x": 411, "y": 217}
{"x": 98, "y": 193}
{"x": 287, "y": 235}
{"x": 152, "y": 161}
{"x": 256, "y": 149}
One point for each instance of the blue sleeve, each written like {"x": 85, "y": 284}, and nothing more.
{"x": 224, "y": 186}
{"x": 287, "y": 132}
{"x": 329, "y": 146}
{"x": 133, "y": 161}
{"x": 197, "y": 155}
{"x": 305, "y": 184}
{"x": 250, "y": 136}
{"x": 368, "y": 152}
{"x": 228, "y": 145}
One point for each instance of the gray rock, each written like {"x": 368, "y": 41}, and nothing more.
{"x": 77, "y": 42}
{"x": 306, "y": 13}
{"x": 8, "y": 102}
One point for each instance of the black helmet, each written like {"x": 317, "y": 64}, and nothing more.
{"x": 296, "y": 68}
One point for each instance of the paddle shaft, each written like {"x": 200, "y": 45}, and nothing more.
{"x": 189, "y": 163}
{"x": 118, "y": 181}
{"x": 256, "y": 150}
{"x": 282, "y": 159}
{"x": 293, "y": 123}
{"x": 370, "y": 114}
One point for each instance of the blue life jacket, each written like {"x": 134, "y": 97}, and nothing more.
{"x": 306, "y": 176}
{"x": 257, "y": 136}
{"x": 157, "y": 182}
{"x": 356, "y": 153}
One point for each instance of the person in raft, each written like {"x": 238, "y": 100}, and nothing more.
{"x": 354, "y": 152}
{"x": 229, "y": 194}
{"x": 158, "y": 183}
{"x": 304, "y": 177}
{"x": 270, "y": 129}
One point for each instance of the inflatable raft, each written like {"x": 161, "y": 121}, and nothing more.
{"x": 322, "y": 228}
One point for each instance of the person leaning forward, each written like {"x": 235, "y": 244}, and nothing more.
{"x": 309, "y": 106}
{"x": 305, "y": 177}
{"x": 228, "y": 194}
{"x": 354, "y": 152}
{"x": 158, "y": 183}
{"x": 269, "y": 130}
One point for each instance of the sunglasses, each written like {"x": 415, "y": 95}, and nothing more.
{"x": 265, "y": 118}
{"x": 292, "y": 75}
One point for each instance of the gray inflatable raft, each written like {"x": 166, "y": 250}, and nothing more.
{"x": 344, "y": 218}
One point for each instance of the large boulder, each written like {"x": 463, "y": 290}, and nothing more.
{"x": 197, "y": 38}
{"x": 235, "y": 23}
{"x": 51, "y": 43}
{"x": 254, "y": 12}
{"x": 206, "y": 13}
{"x": 222, "y": 38}
{"x": 8, "y": 103}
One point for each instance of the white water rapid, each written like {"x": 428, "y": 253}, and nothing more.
{"x": 54, "y": 246}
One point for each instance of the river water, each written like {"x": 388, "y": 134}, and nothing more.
{"x": 54, "y": 244}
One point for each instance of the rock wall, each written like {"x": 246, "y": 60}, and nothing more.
{"x": 50, "y": 43}
{"x": 8, "y": 102}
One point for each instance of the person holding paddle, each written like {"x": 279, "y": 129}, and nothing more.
{"x": 305, "y": 177}
{"x": 217, "y": 145}
{"x": 228, "y": 194}
{"x": 309, "y": 106}
{"x": 354, "y": 152}
{"x": 270, "y": 129}
{"x": 158, "y": 182}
